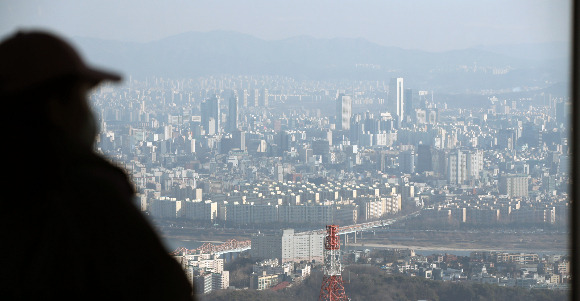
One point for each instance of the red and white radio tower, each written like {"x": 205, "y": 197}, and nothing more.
{"x": 332, "y": 288}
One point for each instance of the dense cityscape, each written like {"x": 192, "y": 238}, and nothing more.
{"x": 290, "y": 150}
{"x": 274, "y": 154}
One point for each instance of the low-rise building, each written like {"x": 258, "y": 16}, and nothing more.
{"x": 263, "y": 281}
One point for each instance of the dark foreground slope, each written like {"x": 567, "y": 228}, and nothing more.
{"x": 370, "y": 283}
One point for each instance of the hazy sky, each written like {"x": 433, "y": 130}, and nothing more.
{"x": 422, "y": 24}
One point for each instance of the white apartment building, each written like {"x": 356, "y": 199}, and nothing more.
{"x": 205, "y": 271}
{"x": 393, "y": 203}
{"x": 288, "y": 246}
{"x": 208, "y": 262}
{"x": 372, "y": 208}
{"x": 474, "y": 163}
{"x": 165, "y": 208}
{"x": 456, "y": 167}
{"x": 203, "y": 283}
{"x": 199, "y": 210}
{"x": 220, "y": 281}
{"x": 252, "y": 213}
{"x": 514, "y": 185}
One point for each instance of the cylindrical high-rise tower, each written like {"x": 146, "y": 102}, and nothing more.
{"x": 332, "y": 288}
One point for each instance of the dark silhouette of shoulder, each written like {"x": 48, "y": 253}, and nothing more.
{"x": 86, "y": 239}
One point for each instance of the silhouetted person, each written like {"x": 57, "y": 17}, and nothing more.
{"x": 68, "y": 226}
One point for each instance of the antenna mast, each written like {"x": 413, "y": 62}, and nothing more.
{"x": 332, "y": 288}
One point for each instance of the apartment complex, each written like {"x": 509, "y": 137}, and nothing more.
{"x": 205, "y": 271}
{"x": 290, "y": 203}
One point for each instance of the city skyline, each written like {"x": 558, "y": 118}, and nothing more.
{"x": 487, "y": 185}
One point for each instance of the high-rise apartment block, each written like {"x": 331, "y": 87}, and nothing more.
{"x": 265, "y": 97}
{"x": 474, "y": 163}
{"x": 205, "y": 271}
{"x": 256, "y": 97}
{"x": 407, "y": 161}
{"x": 343, "y": 112}
{"x": 456, "y": 167}
{"x": 202, "y": 283}
{"x": 165, "y": 207}
{"x": 424, "y": 158}
{"x": 233, "y": 113}
{"x": 220, "y": 281}
{"x": 408, "y": 102}
{"x": 464, "y": 165}
{"x": 514, "y": 185}
{"x": 288, "y": 246}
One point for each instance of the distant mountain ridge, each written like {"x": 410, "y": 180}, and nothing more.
{"x": 532, "y": 51}
{"x": 196, "y": 54}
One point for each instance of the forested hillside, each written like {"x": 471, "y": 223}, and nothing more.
{"x": 371, "y": 283}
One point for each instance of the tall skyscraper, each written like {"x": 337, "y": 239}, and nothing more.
{"x": 408, "y": 101}
{"x": 210, "y": 115}
{"x": 396, "y": 99}
{"x": 245, "y": 95}
{"x": 233, "y": 113}
{"x": 256, "y": 98}
{"x": 424, "y": 158}
{"x": 265, "y": 98}
{"x": 407, "y": 161}
{"x": 423, "y": 99}
{"x": 343, "y": 112}
{"x": 239, "y": 139}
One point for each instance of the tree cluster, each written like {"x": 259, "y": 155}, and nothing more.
{"x": 365, "y": 282}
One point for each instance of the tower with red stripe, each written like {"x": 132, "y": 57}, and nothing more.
{"x": 332, "y": 288}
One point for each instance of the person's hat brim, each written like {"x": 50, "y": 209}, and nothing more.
{"x": 95, "y": 76}
{"x": 30, "y": 59}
